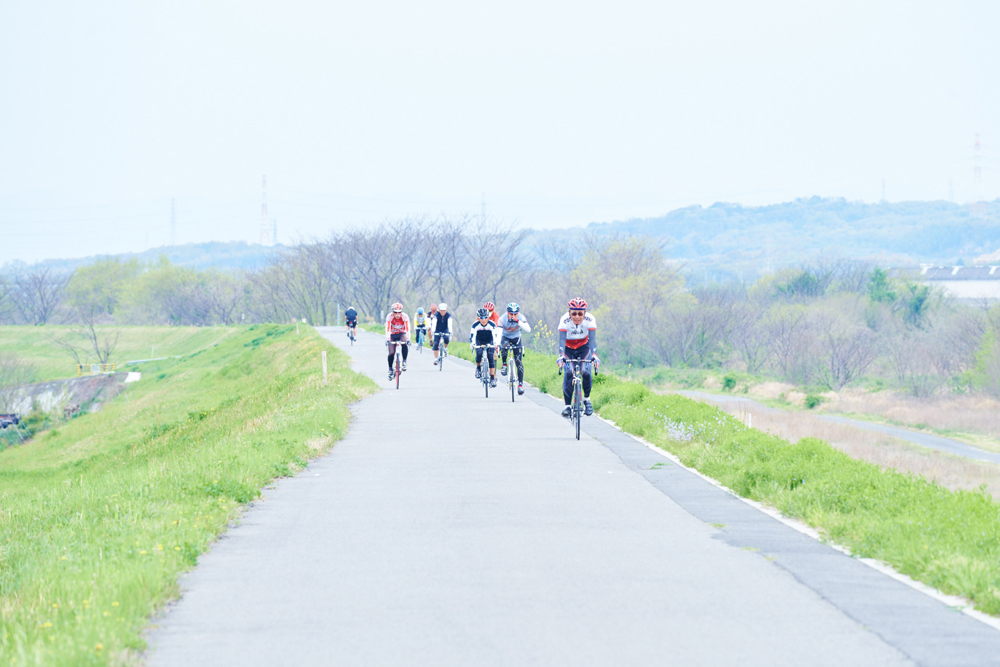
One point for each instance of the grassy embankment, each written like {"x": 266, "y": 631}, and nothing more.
{"x": 99, "y": 516}
{"x": 947, "y": 539}
{"x": 50, "y": 362}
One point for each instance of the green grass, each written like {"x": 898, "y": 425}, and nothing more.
{"x": 947, "y": 539}
{"x": 100, "y": 515}
{"x": 51, "y": 362}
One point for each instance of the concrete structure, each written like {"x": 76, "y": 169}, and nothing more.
{"x": 969, "y": 283}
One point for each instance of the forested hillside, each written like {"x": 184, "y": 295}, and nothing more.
{"x": 734, "y": 241}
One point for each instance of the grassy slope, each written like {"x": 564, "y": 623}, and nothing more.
{"x": 99, "y": 517}
{"x": 948, "y": 539}
{"x": 52, "y": 362}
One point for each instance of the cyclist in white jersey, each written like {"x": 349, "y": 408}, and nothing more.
{"x": 511, "y": 324}
{"x": 577, "y": 341}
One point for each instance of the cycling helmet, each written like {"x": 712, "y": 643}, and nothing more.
{"x": 443, "y": 307}
{"x": 482, "y": 313}
{"x": 489, "y": 306}
{"x": 577, "y": 304}
{"x": 513, "y": 308}
{"x": 420, "y": 311}
{"x": 434, "y": 306}
{"x": 397, "y": 307}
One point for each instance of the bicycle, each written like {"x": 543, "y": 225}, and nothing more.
{"x": 350, "y": 334}
{"x": 399, "y": 358}
{"x": 484, "y": 368}
{"x": 576, "y": 407}
{"x": 442, "y": 349}
{"x": 511, "y": 365}
{"x": 421, "y": 337}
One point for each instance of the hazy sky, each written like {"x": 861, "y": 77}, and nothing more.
{"x": 562, "y": 113}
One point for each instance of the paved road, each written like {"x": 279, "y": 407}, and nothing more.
{"x": 947, "y": 445}
{"x": 450, "y": 529}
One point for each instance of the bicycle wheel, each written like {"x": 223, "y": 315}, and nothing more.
{"x": 576, "y": 421}
{"x": 486, "y": 381}
{"x": 510, "y": 381}
{"x": 398, "y": 370}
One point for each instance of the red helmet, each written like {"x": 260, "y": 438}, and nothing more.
{"x": 434, "y": 306}
{"x": 489, "y": 306}
{"x": 577, "y": 304}
{"x": 397, "y": 307}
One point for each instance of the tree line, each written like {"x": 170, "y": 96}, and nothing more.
{"x": 824, "y": 324}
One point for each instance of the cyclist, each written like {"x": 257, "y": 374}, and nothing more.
{"x": 511, "y": 324}
{"x": 494, "y": 316}
{"x": 484, "y": 332}
{"x": 433, "y": 311}
{"x": 577, "y": 341}
{"x": 441, "y": 324}
{"x": 420, "y": 325}
{"x": 397, "y": 331}
{"x": 351, "y": 316}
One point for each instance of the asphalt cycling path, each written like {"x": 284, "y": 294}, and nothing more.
{"x": 451, "y": 529}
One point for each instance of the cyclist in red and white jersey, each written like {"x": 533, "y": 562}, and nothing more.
{"x": 577, "y": 341}
{"x": 397, "y": 331}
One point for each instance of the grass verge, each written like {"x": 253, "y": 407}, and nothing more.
{"x": 50, "y": 362}
{"x": 947, "y": 539}
{"x": 99, "y": 516}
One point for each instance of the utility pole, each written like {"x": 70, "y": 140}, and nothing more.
{"x": 977, "y": 209}
{"x": 265, "y": 235}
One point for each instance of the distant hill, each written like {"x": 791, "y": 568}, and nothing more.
{"x": 217, "y": 254}
{"x": 730, "y": 237}
{"x": 729, "y": 241}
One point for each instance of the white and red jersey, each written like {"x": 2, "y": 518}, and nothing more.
{"x": 577, "y": 335}
{"x": 397, "y": 323}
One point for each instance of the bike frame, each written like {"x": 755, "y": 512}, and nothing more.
{"x": 442, "y": 349}
{"x": 484, "y": 368}
{"x": 512, "y": 367}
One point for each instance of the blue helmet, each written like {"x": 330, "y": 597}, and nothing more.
{"x": 420, "y": 311}
{"x": 513, "y": 308}
{"x": 482, "y": 314}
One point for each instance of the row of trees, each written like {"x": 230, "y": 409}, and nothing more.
{"x": 827, "y": 324}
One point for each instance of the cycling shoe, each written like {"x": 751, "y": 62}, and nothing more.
{"x": 493, "y": 382}
{"x": 588, "y": 407}
{"x": 520, "y": 390}
{"x": 567, "y": 412}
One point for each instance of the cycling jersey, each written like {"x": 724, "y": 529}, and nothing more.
{"x": 484, "y": 334}
{"x": 397, "y": 325}
{"x": 494, "y": 317}
{"x": 441, "y": 323}
{"x": 578, "y": 335}
{"x": 351, "y": 315}
{"x": 511, "y": 329}
{"x": 420, "y": 320}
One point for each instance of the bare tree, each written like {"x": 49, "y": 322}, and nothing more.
{"x": 225, "y": 294}
{"x": 37, "y": 293}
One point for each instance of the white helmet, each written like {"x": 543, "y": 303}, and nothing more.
{"x": 442, "y": 306}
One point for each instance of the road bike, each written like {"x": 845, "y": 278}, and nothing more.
{"x": 442, "y": 349}
{"x": 399, "y": 358}
{"x": 484, "y": 368}
{"x": 576, "y": 406}
{"x": 421, "y": 337}
{"x": 511, "y": 365}
{"x": 350, "y": 334}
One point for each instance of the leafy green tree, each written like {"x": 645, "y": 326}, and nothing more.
{"x": 880, "y": 288}
{"x": 96, "y": 290}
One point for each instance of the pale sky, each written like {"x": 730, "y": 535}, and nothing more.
{"x": 562, "y": 113}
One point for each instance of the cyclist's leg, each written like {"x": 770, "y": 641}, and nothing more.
{"x": 405, "y": 338}
{"x": 567, "y": 384}
{"x": 518, "y": 353}
{"x": 491, "y": 359}
{"x": 479, "y": 360}
{"x": 392, "y": 353}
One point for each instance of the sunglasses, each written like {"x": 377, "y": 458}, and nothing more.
{"x": 577, "y": 312}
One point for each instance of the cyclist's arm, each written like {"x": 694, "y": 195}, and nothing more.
{"x": 562, "y": 342}
{"x": 591, "y": 343}
{"x": 525, "y": 327}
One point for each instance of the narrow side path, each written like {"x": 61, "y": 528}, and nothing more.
{"x": 451, "y": 529}
{"x": 936, "y": 442}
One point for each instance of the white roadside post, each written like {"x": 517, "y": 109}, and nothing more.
{"x": 324, "y": 366}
